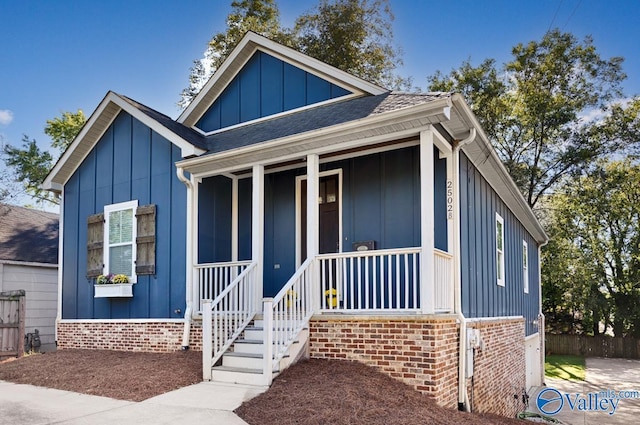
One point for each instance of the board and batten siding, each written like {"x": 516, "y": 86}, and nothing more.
{"x": 380, "y": 202}
{"x": 129, "y": 162}
{"x": 266, "y": 86}
{"x": 481, "y": 296}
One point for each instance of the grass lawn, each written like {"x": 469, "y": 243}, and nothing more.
{"x": 564, "y": 367}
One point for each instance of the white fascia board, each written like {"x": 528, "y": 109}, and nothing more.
{"x": 55, "y": 182}
{"x": 245, "y": 49}
{"x": 49, "y": 182}
{"x": 496, "y": 174}
{"x": 349, "y": 131}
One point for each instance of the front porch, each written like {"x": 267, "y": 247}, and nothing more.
{"x": 350, "y": 231}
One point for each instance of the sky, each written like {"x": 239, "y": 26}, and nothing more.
{"x": 65, "y": 55}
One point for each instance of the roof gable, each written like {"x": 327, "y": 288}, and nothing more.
{"x": 190, "y": 142}
{"x": 243, "y": 55}
{"x": 266, "y": 86}
{"x": 28, "y": 235}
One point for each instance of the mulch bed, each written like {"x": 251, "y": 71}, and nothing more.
{"x": 315, "y": 392}
{"x": 312, "y": 392}
{"x": 116, "y": 374}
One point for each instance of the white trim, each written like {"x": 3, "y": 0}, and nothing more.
{"x": 500, "y": 252}
{"x": 525, "y": 266}
{"x": 30, "y": 263}
{"x": 234, "y": 218}
{"x": 532, "y": 336}
{"x": 427, "y": 241}
{"x": 241, "y": 54}
{"x": 121, "y": 206}
{"x": 274, "y": 116}
{"x": 335, "y": 171}
{"x": 493, "y": 319}
{"x": 257, "y": 231}
{"x": 60, "y": 263}
{"x": 94, "y": 129}
{"x": 121, "y": 320}
{"x": 395, "y": 125}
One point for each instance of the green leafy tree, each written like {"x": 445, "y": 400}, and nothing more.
{"x": 534, "y": 107}
{"x": 259, "y": 16}
{"x": 355, "y": 36}
{"x": 592, "y": 268}
{"x": 31, "y": 164}
{"x": 352, "y": 35}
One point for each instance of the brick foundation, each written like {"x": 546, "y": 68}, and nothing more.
{"x": 499, "y": 367}
{"x": 420, "y": 351}
{"x": 146, "y": 336}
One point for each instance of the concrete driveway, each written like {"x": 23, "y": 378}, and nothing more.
{"x": 590, "y": 405}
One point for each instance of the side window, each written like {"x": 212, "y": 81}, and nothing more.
{"x": 122, "y": 240}
{"x": 525, "y": 266}
{"x": 499, "y": 250}
{"x": 120, "y": 230}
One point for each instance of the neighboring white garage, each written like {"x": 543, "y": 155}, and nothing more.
{"x": 29, "y": 261}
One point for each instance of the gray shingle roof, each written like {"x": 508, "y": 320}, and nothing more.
{"x": 185, "y": 133}
{"x": 28, "y": 235}
{"x": 316, "y": 118}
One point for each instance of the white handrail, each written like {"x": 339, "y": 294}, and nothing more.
{"x": 370, "y": 281}
{"x": 213, "y": 278}
{"x": 286, "y": 314}
{"x": 225, "y": 317}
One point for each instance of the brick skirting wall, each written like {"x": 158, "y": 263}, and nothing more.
{"x": 420, "y": 351}
{"x": 499, "y": 367}
{"x": 147, "y": 336}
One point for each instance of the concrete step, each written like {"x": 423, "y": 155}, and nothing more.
{"x": 242, "y": 360}
{"x": 254, "y": 332}
{"x": 236, "y": 375}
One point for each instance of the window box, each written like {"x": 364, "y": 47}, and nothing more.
{"x": 114, "y": 290}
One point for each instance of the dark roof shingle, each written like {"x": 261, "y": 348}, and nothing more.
{"x": 316, "y": 118}
{"x": 28, "y": 235}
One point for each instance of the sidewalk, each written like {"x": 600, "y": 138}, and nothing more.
{"x": 206, "y": 401}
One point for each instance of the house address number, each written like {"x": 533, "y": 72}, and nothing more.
{"x": 449, "y": 199}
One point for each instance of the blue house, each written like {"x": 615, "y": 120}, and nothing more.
{"x": 295, "y": 210}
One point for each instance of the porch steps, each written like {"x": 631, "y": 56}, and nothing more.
{"x": 243, "y": 364}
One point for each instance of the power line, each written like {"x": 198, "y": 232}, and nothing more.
{"x": 554, "y": 16}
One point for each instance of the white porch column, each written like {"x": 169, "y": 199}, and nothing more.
{"x": 257, "y": 231}
{"x": 427, "y": 283}
{"x": 312, "y": 206}
{"x": 234, "y": 218}
{"x": 313, "y": 224}
{"x": 193, "y": 229}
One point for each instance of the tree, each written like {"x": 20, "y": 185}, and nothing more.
{"x": 534, "y": 107}
{"x": 259, "y": 16}
{"x": 32, "y": 164}
{"x": 352, "y": 35}
{"x": 593, "y": 265}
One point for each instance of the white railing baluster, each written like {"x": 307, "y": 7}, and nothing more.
{"x": 215, "y": 277}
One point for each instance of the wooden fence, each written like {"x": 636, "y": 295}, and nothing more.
{"x": 593, "y": 346}
{"x": 12, "y": 315}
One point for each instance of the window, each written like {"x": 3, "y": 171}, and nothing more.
{"x": 499, "y": 250}
{"x": 120, "y": 237}
{"x": 525, "y": 266}
{"x": 122, "y": 240}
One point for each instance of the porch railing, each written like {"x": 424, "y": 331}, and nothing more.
{"x": 213, "y": 278}
{"x": 224, "y": 318}
{"x": 443, "y": 281}
{"x": 287, "y": 314}
{"x": 369, "y": 281}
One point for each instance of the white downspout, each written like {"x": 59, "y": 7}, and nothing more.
{"x": 463, "y": 399}
{"x": 188, "y": 313}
